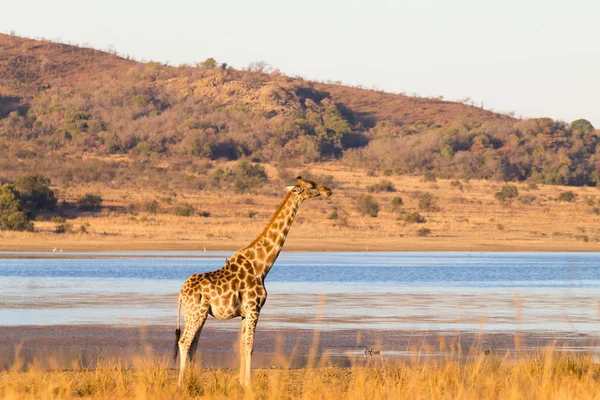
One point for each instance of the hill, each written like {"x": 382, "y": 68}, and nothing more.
{"x": 82, "y": 115}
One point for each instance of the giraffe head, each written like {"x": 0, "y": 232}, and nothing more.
{"x": 307, "y": 189}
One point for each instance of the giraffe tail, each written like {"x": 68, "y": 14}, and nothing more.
{"x": 178, "y": 330}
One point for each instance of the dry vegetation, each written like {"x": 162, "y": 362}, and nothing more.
{"x": 84, "y": 116}
{"x": 461, "y": 215}
{"x": 543, "y": 374}
{"x": 160, "y": 142}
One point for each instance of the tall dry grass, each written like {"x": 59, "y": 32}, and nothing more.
{"x": 544, "y": 374}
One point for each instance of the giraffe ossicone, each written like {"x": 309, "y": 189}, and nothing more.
{"x": 237, "y": 289}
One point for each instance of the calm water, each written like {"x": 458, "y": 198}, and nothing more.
{"x": 403, "y": 291}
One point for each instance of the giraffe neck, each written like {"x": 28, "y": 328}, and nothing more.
{"x": 265, "y": 249}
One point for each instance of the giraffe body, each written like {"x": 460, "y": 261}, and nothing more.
{"x": 237, "y": 289}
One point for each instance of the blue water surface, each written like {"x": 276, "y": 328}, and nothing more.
{"x": 389, "y": 290}
{"x": 392, "y": 268}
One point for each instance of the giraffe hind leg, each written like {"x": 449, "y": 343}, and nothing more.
{"x": 190, "y": 333}
{"x": 194, "y": 345}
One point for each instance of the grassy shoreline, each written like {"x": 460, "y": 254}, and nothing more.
{"x": 406, "y": 245}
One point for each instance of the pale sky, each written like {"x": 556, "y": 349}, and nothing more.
{"x": 538, "y": 58}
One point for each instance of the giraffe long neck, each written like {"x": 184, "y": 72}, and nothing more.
{"x": 265, "y": 249}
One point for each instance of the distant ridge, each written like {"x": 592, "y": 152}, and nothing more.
{"x": 64, "y": 108}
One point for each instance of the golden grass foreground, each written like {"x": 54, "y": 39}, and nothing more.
{"x": 545, "y": 374}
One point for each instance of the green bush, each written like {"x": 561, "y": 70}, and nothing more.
{"x": 249, "y": 176}
{"x": 12, "y": 215}
{"x": 63, "y": 228}
{"x": 429, "y": 176}
{"x": 84, "y": 228}
{"x": 397, "y": 203}
{"x": 568, "y": 196}
{"x": 382, "y": 186}
{"x": 414, "y": 218}
{"x": 89, "y": 202}
{"x": 244, "y": 177}
{"x": 209, "y": 63}
{"x": 423, "y": 232}
{"x": 582, "y": 125}
{"x": 428, "y": 202}
{"x": 457, "y": 184}
{"x": 35, "y": 193}
{"x": 507, "y": 193}
{"x": 334, "y": 214}
{"x": 186, "y": 210}
{"x": 151, "y": 207}
{"x": 367, "y": 205}
{"x": 527, "y": 199}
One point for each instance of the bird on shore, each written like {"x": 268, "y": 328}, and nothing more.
{"x": 370, "y": 351}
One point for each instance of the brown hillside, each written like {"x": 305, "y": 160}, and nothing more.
{"x": 371, "y": 106}
{"x": 29, "y": 66}
{"x": 81, "y": 114}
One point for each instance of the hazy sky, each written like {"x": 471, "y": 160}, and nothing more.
{"x": 534, "y": 57}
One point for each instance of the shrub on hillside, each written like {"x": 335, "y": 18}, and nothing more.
{"x": 397, "y": 203}
{"x": 382, "y": 186}
{"x": 367, "y": 205}
{"x": 507, "y": 193}
{"x": 567, "y": 196}
{"x": 63, "y": 227}
{"x": 244, "y": 177}
{"x": 12, "y": 216}
{"x": 423, "y": 232}
{"x": 333, "y": 214}
{"x": 89, "y": 202}
{"x": 457, "y": 184}
{"x": 428, "y": 202}
{"x": 35, "y": 193}
{"x": 151, "y": 207}
{"x": 527, "y": 199}
{"x": 414, "y": 218}
{"x": 185, "y": 210}
{"x": 429, "y": 176}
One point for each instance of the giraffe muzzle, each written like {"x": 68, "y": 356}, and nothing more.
{"x": 325, "y": 191}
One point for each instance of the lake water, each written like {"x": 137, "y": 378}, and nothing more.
{"x": 490, "y": 292}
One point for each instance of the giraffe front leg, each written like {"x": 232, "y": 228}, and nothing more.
{"x": 242, "y": 352}
{"x": 250, "y": 327}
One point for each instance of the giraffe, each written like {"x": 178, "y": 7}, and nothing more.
{"x": 237, "y": 289}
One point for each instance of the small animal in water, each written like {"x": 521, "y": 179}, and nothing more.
{"x": 370, "y": 351}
